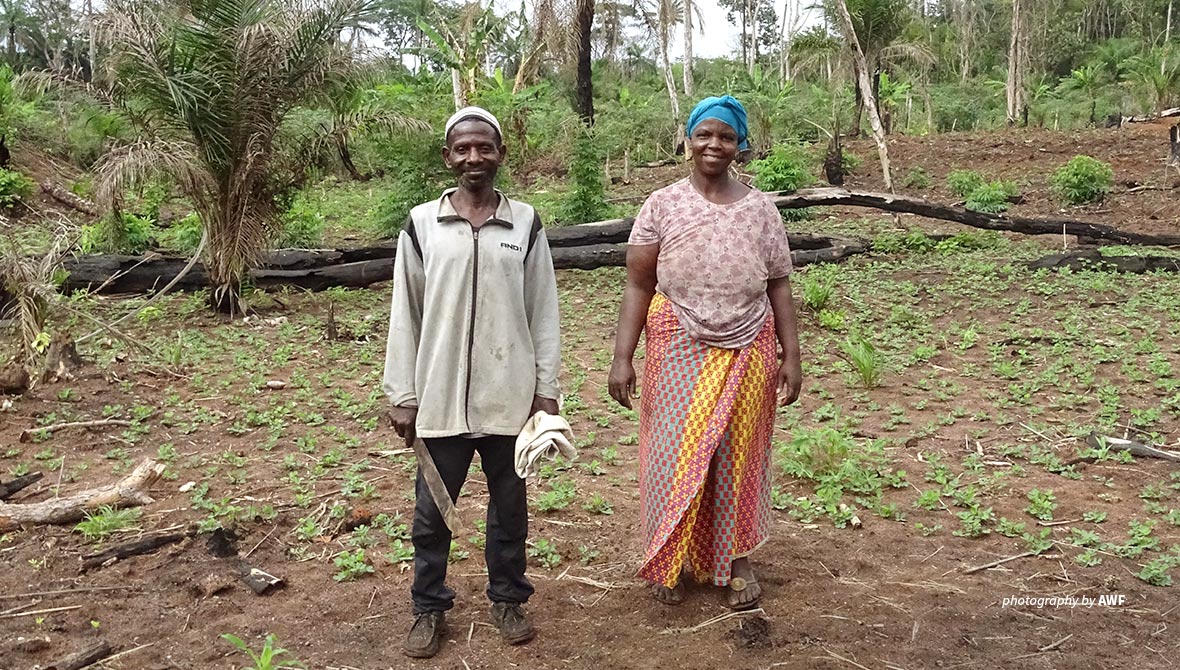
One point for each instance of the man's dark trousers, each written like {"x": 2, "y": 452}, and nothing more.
{"x": 507, "y": 523}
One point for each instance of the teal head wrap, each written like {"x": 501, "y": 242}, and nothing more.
{"x": 726, "y": 109}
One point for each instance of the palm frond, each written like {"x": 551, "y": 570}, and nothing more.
{"x": 133, "y": 165}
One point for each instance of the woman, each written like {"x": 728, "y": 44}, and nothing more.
{"x": 707, "y": 269}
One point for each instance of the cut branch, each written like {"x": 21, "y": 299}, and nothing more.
{"x": 130, "y": 491}
{"x": 28, "y": 434}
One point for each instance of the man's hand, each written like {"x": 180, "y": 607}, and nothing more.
{"x": 403, "y": 420}
{"x": 547, "y": 405}
{"x": 621, "y": 381}
{"x": 789, "y": 381}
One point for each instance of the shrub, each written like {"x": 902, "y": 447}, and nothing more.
{"x": 14, "y": 186}
{"x": 1083, "y": 179}
{"x": 991, "y": 197}
{"x": 786, "y": 168}
{"x": 963, "y": 182}
{"x": 916, "y": 178}
{"x": 184, "y": 234}
{"x": 587, "y": 200}
{"x": 303, "y": 224}
{"x": 124, "y": 234}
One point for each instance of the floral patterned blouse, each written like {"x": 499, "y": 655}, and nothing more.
{"x": 715, "y": 260}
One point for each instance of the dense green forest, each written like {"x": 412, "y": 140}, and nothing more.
{"x": 252, "y": 123}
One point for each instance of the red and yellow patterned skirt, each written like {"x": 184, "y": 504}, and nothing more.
{"x": 705, "y": 421}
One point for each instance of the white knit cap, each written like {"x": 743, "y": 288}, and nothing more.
{"x": 468, "y": 113}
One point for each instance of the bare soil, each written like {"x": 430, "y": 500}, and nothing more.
{"x": 879, "y": 596}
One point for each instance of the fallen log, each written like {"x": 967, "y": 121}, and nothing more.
{"x": 137, "y": 548}
{"x": 127, "y": 274}
{"x": 84, "y": 658}
{"x": 68, "y": 199}
{"x": 9, "y": 489}
{"x": 129, "y": 491}
{"x": 1091, "y": 259}
{"x": 1145, "y": 118}
{"x": 811, "y": 197}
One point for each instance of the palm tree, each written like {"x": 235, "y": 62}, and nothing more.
{"x": 659, "y": 21}
{"x": 1089, "y": 79}
{"x": 17, "y": 23}
{"x": 214, "y": 80}
{"x": 878, "y": 24}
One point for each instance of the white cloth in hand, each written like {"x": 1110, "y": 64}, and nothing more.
{"x": 543, "y": 436}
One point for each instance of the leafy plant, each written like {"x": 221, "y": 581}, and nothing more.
{"x": 786, "y": 168}
{"x": 598, "y": 505}
{"x": 559, "y": 496}
{"x": 1041, "y": 504}
{"x": 586, "y": 201}
{"x": 817, "y": 290}
{"x": 14, "y": 187}
{"x": 964, "y": 182}
{"x": 865, "y": 359}
{"x": 916, "y": 178}
{"x": 991, "y": 197}
{"x": 105, "y": 521}
{"x": 1082, "y": 180}
{"x": 351, "y": 565}
{"x": 270, "y": 657}
{"x": 545, "y": 552}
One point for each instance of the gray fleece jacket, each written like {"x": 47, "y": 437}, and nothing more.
{"x": 473, "y": 331}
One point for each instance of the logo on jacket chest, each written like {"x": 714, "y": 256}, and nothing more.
{"x": 513, "y": 247}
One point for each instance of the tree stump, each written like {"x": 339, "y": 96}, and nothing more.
{"x": 61, "y": 360}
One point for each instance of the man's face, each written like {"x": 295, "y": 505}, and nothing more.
{"x": 474, "y": 153}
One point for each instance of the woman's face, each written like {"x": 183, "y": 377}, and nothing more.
{"x": 714, "y": 146}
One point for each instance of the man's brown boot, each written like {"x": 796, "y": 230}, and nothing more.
{"x": 425, "y": 635}
{"x": 513, "y": 623}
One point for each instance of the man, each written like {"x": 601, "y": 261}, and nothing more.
{"x": 473, "y": 352}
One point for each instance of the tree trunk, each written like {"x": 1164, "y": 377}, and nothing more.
{"x": 583, "y": 87}
{"x": 457, "y": 89}
{"x": 670, "y": 82}
{"x": 1016, "y": 56}
{"x": 689, "y": 83}
{"x": 861, "y": 66}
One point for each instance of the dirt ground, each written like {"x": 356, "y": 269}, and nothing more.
{"x": 282, "y": 467}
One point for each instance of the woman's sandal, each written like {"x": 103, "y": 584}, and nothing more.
{"x": 737, "y": 586}
{"x": 668, "y": 596}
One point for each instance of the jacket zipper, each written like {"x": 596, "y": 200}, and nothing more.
{"x": 471, "y": 329}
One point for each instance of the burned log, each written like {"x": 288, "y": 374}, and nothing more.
{"x": 84, "y": 658}
{"x": 11, "y": 488}
{"x": 585, "y": 246}
{"x": 146, "y": 545}
{"x": 320, "y": 270}
{"x": 812, "y": 197}
{"x": 1091, "y": 259}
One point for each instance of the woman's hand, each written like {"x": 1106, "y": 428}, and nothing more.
{"x": 621, "y": 381}
{"x": 789, "y": 381}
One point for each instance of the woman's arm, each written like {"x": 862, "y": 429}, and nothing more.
{"x": 641, "y": 286}
{"x": 790, "y": 373}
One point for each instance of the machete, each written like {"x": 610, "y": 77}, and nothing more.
{"x": 438, "y": 490}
